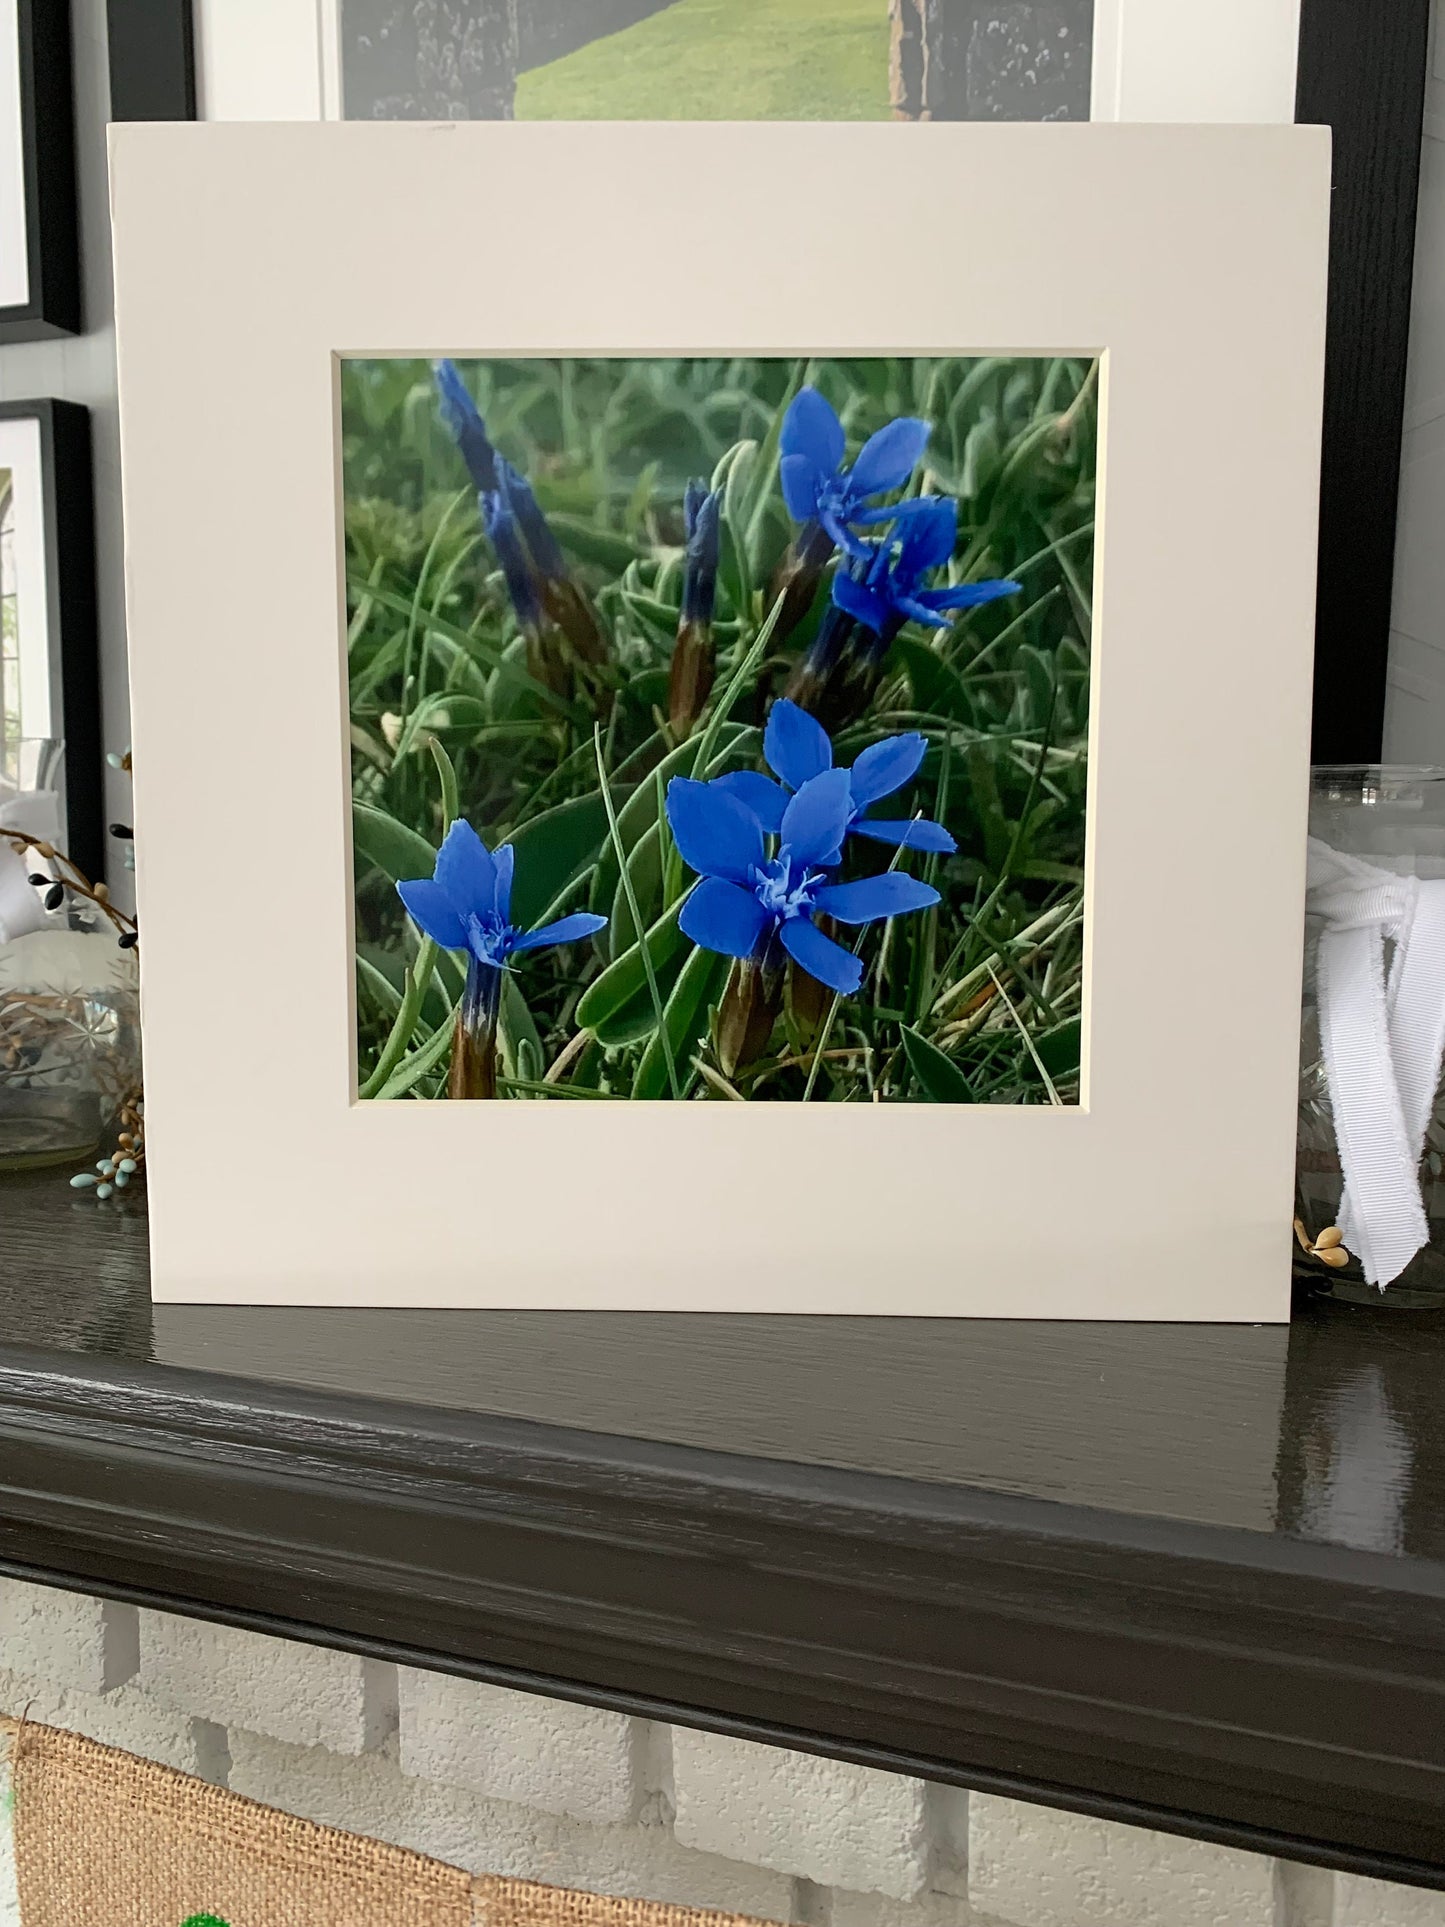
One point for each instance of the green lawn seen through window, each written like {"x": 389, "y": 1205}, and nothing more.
{"x": 725, "y": 60}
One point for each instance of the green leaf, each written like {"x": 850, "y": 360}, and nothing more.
{"x": 383, "y": 991}
{"x": 685, "y": 1019}
{"x": 517, "y": 1033}
{"x": 614, "y": 1004}
{"x": 1059, "y": 1049}
{"x": 644, "y": 872}
{"x": 449, "y": 710}
{"x": 591, "y": 544}
{"x": 474, "y": 645}
{"x": 942, "y": 1081}
{"x": 639, "y": 813}
{"x": 1037, "y": 670}
{"x": 398, "y": 852}
{"x": 553, "y": 851}
{"x": 734, "y": 566}
{"x": 412, "y": 1069}
{"x": 764, "y": 474}
{"x": 936, "y": 687}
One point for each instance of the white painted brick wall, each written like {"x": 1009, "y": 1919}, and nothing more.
{"x": 577, "y": 1760}
{"x": 835, "y": 1824}
{"x": 127, "y": 1718}
{"x": 307, "y": 1695}
{"x": 371, "y": 1795}
{"x": 1376, "y": 1903}
{"x": 504, "y": 1782}
{"x": 1040, "y": 1868}
{"x": 67, "y": 1639}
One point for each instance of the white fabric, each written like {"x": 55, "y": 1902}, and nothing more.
{"x": 21, "y": 910}
{"x": 36, "y": 812}
{"x": 1382, "y": 1037}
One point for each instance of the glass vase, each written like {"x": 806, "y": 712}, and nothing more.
{"x": 69, "y": 1042}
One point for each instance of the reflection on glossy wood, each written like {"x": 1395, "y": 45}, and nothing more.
{"x": 1050, "y": 1560}
{"x": 1320, "y": 1430}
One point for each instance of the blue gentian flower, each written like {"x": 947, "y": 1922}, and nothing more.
{"x": 817, "y": 487}
{"x": 693, "y": 661}
{"x": 798, "y": 748}
{"x": 466, "y": 905}
{"x": 702, "y": 521}
{"x": 542, "y": 545}
{"x": 888, "y": 590}
{"x": 500, "y": 522}
{"x": 463, "y": 418}
{"x": 748, "y": 899}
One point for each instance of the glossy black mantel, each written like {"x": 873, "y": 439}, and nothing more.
{"x": 1186, "y": 1576}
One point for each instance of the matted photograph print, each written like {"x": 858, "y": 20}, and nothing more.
{"x": 719, "y": 728}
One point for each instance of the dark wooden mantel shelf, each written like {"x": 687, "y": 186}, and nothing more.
{"x": 1183, "y": 1576}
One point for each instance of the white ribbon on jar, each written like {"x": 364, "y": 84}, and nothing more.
{"x": 21, "y": 911}
{"x": 1382, "y": 1037}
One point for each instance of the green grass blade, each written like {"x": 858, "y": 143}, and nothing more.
{"x": 632, "y": 905}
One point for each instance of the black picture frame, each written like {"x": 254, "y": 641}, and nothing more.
{"x": 47, "y": 139}
{"x": 151, "y": 48}
{"x": 68, "y": 510}
{"x": 1361, "y": 72}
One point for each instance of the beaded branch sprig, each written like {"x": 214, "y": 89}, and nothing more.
{"x": 71, "y": 880}
{"x": 114, "y": 1173}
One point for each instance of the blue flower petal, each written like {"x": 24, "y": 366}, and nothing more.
{"x": 865, "y": 605}
{"x": 466, "y": 871}
{"x": 766, "y": 799}
{"x": 816, "y": 821}
{"x": 722, "y": 916}
{"x": 968, "y": 595}
{"x": 811, "y": 428}
{"x": 889, "y": 457}
{"x": 922, "y": 834}
{"x": 930, "y": 535}
{"x": 829, "y": 962}
{"x": 919, "y": 608}
{"x": 505, "y": 860}
{"x": 461, "y": 415}
{"x": 795, "y": 744}
{"x": 886, "y": 766}
{"x": 893, "y": 894}
{"x": 506, "y": 537}
{"x": 542, "y": 545}
{"x": 717, "y": 835}
{"x": 801, "y": 483}
{"x": 565, "y": 930}
{"x": 839, "y": 530}
{"x": 903, "y": 512}
{"x": 430, "y": 909}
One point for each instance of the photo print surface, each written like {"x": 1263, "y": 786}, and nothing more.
{"x": 719, "y": 729}
{"x": 715, "y": 59}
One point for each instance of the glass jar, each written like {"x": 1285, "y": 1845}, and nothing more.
{"x": 69, "y": 1041}
{"x": 1393, "y": 819}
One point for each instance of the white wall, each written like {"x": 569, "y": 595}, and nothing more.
{"x": 1415, "y": 704}
{"x": 83, "y": 370}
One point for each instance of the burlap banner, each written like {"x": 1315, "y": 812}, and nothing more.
{"x": 102, "y": 1839}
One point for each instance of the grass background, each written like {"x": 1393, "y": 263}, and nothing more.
{"x": 725, "y": 60}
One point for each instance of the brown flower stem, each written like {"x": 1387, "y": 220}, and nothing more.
{"x": 749, "y": 1009}
{"x": 76, "y": 881}
{"x": 694, "y": 667}
{"x": 473, "y": 1070}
